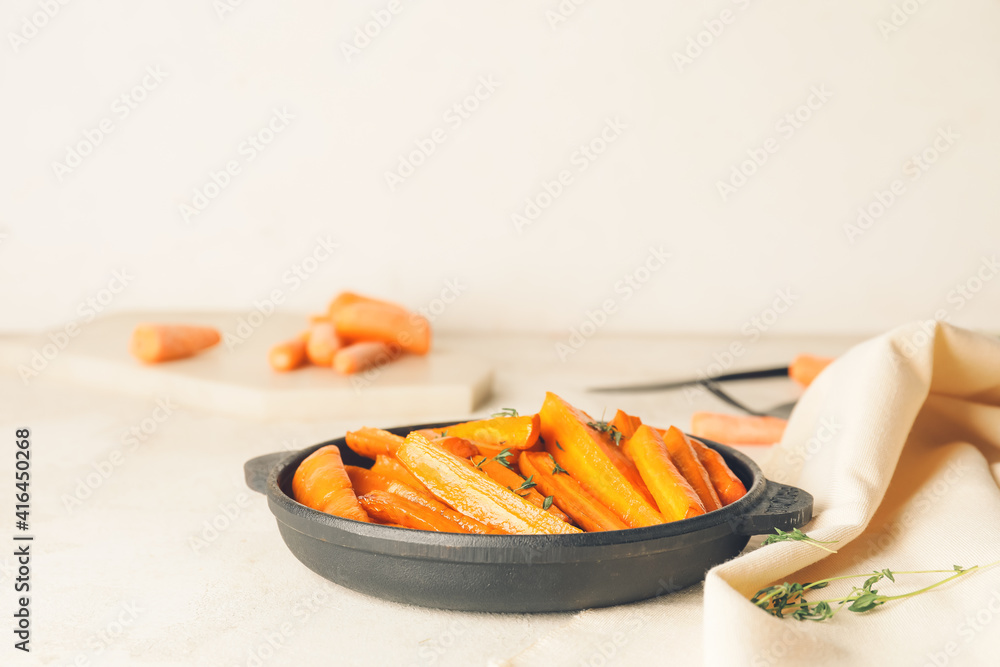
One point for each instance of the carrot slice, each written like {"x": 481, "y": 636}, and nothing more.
{"x": 506, "y": 477}
{"x": 321, "y": 482}
{"x": 805, "y": 367}
{"x": 682, "y": 453}
{"x": 726, "y": 483}
{"x": 626, "y": 424}
{"x": 460, "y": 447}
{"x": 387, "y": 466}
{"x": 359, "y": 357}
{"x": 737, "y": 429}
{"x": 674, "y": 494}
{"x": 580, "y": 449}
{"x": 388, "y": 324}
{"x": 365, "y": 481}
{"x": 500, "y": 432}
{"x": 371, "y": 442}
{"x": 568, "y": 494}
{"x": 323, "y": 344}
{"x": 289, "y": 355}
{"x": 472, "y": 493}
{"x": 391, "y": 508}
{"x": 154, "y": 343}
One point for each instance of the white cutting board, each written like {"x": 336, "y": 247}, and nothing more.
{"x": 236, "y": 379}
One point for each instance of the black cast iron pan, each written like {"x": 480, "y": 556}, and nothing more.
{"x": 521, "y": 573}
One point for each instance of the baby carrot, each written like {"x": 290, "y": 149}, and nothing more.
{"x": 371, "y": 442}
{"x": 726, "y": 483}
{"x": 348, "y": 298}
{"x": 321, "y": 482}
{"x": 289, "y": 355}
{"x": 567, "y": 493}
{"x": 359, "y": 357}
{"x": 153, "y": 343}
{"x": 805, "y": 367}
{"x": 323, "y": 344}
{"x": 674, "y": 494}
{"x": 734, "y": 429}
{"x": 388, "y": 324}
{"x": 390, "y": 508}
{"x": 683, "y": 456}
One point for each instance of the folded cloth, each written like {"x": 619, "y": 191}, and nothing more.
{"x": 899, "y": 443}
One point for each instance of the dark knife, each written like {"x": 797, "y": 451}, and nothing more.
{"x": 781, "y": 371}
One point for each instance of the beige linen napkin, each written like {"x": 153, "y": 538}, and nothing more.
{"x": 899, "y": 443}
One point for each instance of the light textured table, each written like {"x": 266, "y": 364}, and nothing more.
{"x": 151, "y": 551}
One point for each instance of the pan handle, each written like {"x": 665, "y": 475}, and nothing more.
{"x": 781, "y": 506}
{"x": 256, "y": 470}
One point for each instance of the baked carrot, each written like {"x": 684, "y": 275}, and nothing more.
{"x": 389, "y": 507}
{"x": 289, "y": 355}
{"x": 626, "y": 424}
{"x": 625, "y": 466}
{"x": 684, "y": 458}
{"x": 472, "y": 493}
{"x": 726, "y": 483}
{"x": 323, "y": 343}
{"x": 388, "y": 466}
{"x": 460, "y": 447}
{"x": 506, "y": 477}
{"x": 500, "y": 432}
{"x": 580, "y": 449}
{"x": 567, "y": 493}
{"x": 805, "y": 367}
{"x": 154, "y": 343}
{"x": 388, "y": 324}
{"x": 348, "y": 298}
{"x": 674, "y": 494}
{"x": 321, "y": 482}
{"x": 371, "y": 442}
{"x": 358, "y": 357}
{"x": 737, "y": 429}
{"x": 365, "y": 481}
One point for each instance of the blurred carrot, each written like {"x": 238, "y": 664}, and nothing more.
{"x": 371, "y": 442}
{"x": 154, "y": 343}
{"x": 737, "y": 429}
{"x": 387, "y": 466}
{"x": 500, "y": 432}
{"x": 683, "y": 456}
{"x": 359, "y": 357}
{"x": 321, "y": 482}
{"x": 805, "y": 367}
{"x": 567, "y": 493}
{"x": 391, "y": 508}
{"x": 726, "y": 483}
{"x": 323, "y": 343}
{"x": 349, "y": 298}
{"x": 506, "y": 477}
{"x": 674, "y": 494}
{"x": 289, "y": 355}
{"x": 388, "y": 324}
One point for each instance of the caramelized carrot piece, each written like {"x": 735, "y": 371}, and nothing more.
{"x": 472, "y": 493}
{"x": 500, "y": 432}
{"x": 506, "y": 477}
{"x": 389, "y": 507}
{"x": 388, "y": 466}
{"x": 365, "y": 481}
{"x": 581, "y": 450}
{"x": 626, "y": 424}
{"x": 321, "y": 482}
{"x": 371, "y": 442}
{"x": 567, "y": 493}
{"x": 358, "y": 357}
{"x": 674, "y": 494}
{"x": 154, "y": 343}
{"x": 289, "y": 355}
{"x": 726, "y": 483}
{"x": 323, "y": 343}
{"x": 683, "y": 456}
{"x": 626, "y": 467}
{"x": 388, "y": 324}
{"x": 737, "y": 429}
{"x": 460, "y": 447}
{"x": 805, "y": 367}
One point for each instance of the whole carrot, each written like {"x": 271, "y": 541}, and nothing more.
{"x": 738, "y": 429}
{"x": 805, "y": 367}
{"x": 358, "y": 357}
{"x": 348, "y": 298}
{"x": 674, "y": 494}
{"x": 323, "y": 344}
{"x": 388, "y": 324}
{"x": 567, "y": 493}
{"x": 322, "y": 483}
{"x": 289, "y": 355}
{"x": 154, "y": 343}
{"x": 726, "y": 483}
{"x": 683, "y": 456}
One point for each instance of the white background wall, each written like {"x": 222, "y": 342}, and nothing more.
{"x": 686, "y": 125}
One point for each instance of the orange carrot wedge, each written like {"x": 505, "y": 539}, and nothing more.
{"x": 626, "y": 424}
{"x": 625, "y": 466}
{"x": 726, "y": 483}
{"x": 805, "y": 367}
{"x": 359, "y": 357}
{"x": 348, "y": 298}
{"x": 323, "y": 344}
{"x": 567, "y": 493}
{"x": 391, "y": 508}
{"x": 366, "y": 481}
{"x": 388, "y": 466}
{"x": 674, "y": 494}
{"x": 321, "y": 482}
{"x": 388, "y": 324}
{"x": 506, "y": 477}
{"x": 733, "y": 429}
{"x": 500, "y": 432}
{"x": 472, "y": 493}
{"x": 460, "y": 447}
{"x": 371, "y": 442}
{"x": 683, "y": 456}
{"x": 289, "y": 355}
{"x": 153, "y": 343}
{"x": 580, "y": 449}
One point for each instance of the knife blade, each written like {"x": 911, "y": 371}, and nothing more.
{"x": 780, "y": 371}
